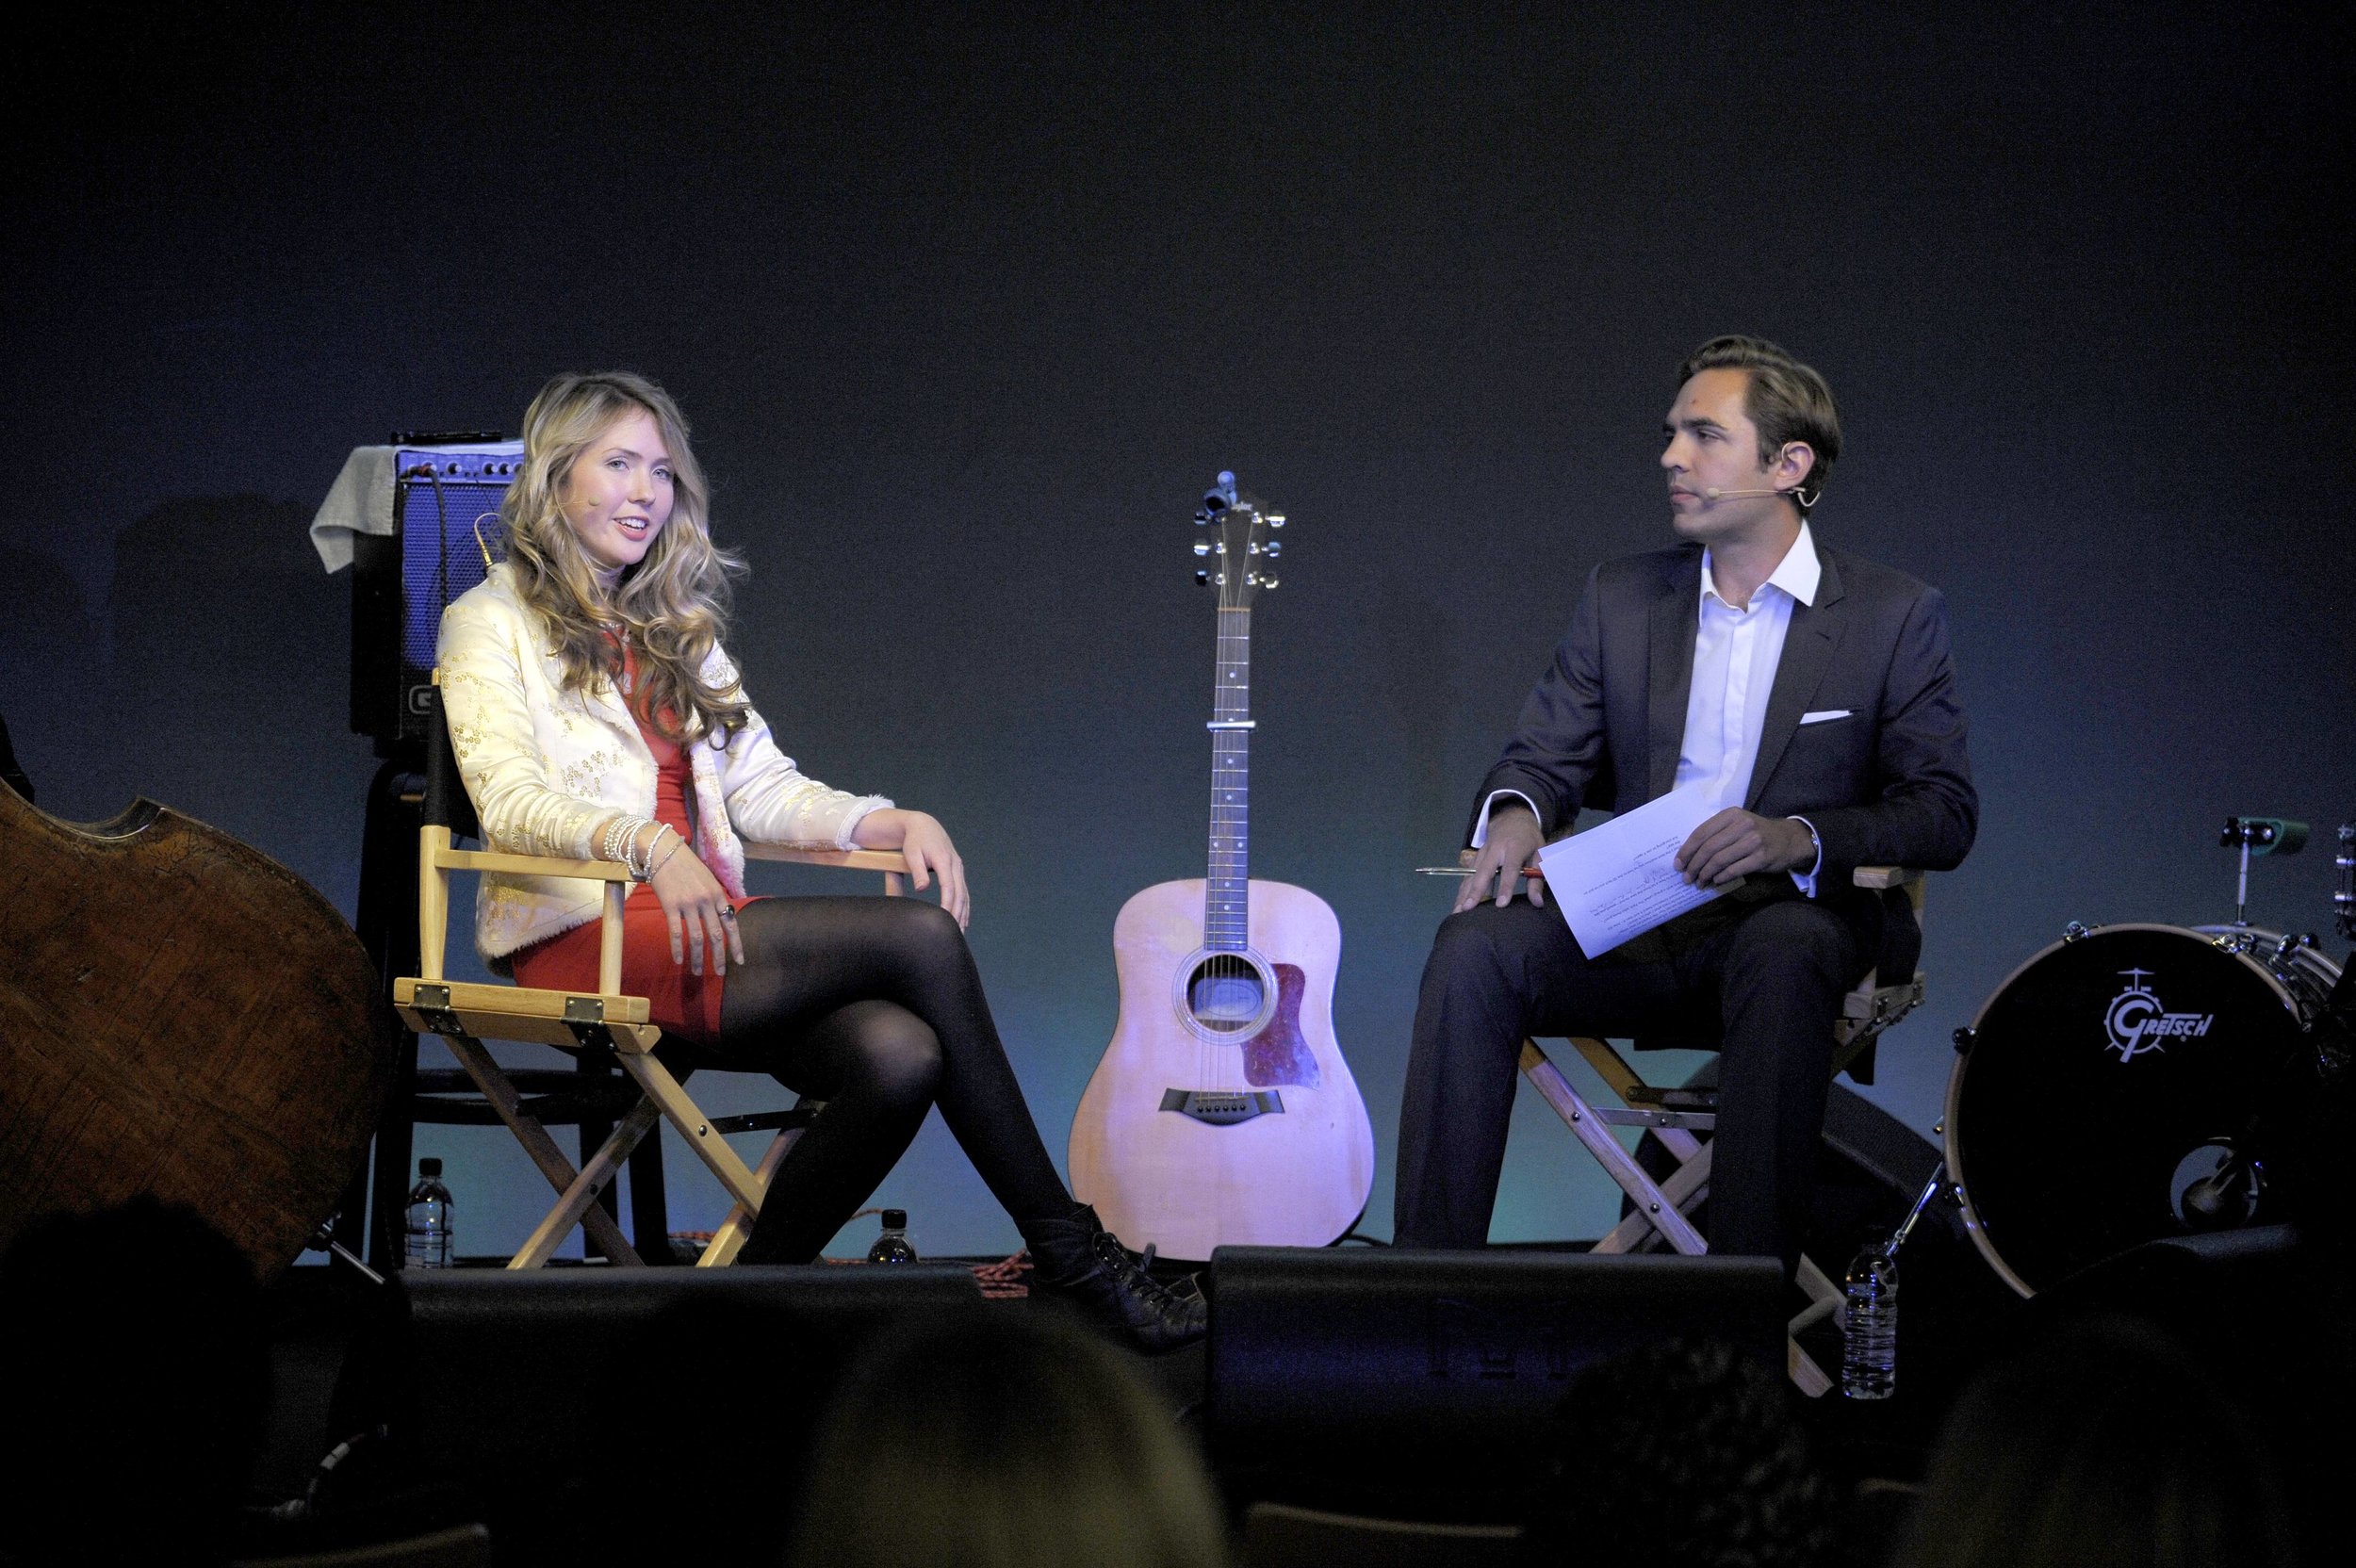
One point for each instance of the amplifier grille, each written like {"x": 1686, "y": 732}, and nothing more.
{"x": 446, "y": 506}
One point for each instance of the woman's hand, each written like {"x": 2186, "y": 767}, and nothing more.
{"x": 695, "y": 907}
{"x": 924, "y": 843}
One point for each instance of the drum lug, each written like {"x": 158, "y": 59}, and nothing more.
{"x": 1965, "y": 1035}
{"x": 2074, "y": 930}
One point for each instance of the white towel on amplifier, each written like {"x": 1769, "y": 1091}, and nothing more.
{"x": 361, "y": 499}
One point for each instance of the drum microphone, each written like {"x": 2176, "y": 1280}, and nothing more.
{"x": 2223, "y": 1197}
{"x": 2258, "y": 836}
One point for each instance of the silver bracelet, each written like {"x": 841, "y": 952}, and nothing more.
{"x": 642, "y": 862}
{"x": 666, "y": 860}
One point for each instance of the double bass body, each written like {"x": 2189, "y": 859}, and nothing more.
{"x": 182, "y": 1016}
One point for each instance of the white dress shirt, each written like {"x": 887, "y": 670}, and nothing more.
{"x": 1736, "y": 650}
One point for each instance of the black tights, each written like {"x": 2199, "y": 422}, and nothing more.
{"x": 874, "y": 1005}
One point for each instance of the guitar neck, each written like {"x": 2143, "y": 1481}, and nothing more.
{"x": 1226, "y": 900}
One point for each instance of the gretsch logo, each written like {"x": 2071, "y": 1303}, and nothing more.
{"x": 2137, "y": 1023}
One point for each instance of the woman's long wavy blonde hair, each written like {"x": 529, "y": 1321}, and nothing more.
{"x": 672, "y": 605}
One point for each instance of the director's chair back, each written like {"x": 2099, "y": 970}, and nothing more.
{"x": 1658, "y": 1210}
{"x": 604, "y": 1024}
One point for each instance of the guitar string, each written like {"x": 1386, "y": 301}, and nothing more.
{"x": 1229, "y": 894}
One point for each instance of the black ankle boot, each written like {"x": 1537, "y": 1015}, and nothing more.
{"x": 1081, "y": 1262}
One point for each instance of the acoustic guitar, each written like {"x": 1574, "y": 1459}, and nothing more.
{"x": 1223, "y": 1112}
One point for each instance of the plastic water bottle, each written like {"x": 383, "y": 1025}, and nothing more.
{"x": 892, "y": 1246}
{"x": 428, "y": 1221}
{"x": 1869, "y": 1323}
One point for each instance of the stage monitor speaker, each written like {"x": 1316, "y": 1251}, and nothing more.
{"x": 521, "y": 1388}
{"x": 1360, "y": 1376}
{"x": 445, "y": 520}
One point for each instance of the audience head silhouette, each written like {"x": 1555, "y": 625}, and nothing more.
{"x": 1004, "y": 1438}
{"x": 2101, "y": 1446}
{"x": 139, "y": 1385}
{"x": 1676, "y": 1455}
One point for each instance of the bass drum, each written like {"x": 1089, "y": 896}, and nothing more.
{"x": 2108, "y": 1075}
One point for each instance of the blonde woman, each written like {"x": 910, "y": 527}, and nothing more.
{"x": 594, "y": 715}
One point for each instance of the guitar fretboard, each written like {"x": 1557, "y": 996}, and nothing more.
{"x": 1226, "y": 913}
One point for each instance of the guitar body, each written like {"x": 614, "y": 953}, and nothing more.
{"x": 1231, "y": 1170}
{"x": 180, "y": 1016}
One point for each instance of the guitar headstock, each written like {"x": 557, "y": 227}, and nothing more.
{"x": 1236, "y": 551}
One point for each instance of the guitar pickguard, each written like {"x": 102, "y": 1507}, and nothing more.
{"x": 1278, "y": 1055}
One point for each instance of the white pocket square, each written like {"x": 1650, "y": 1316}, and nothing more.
{"x": 1826, "y": 715}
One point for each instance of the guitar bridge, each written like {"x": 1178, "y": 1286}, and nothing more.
{"x": 1223, "y": 1110}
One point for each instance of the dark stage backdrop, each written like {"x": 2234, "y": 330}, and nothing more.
{"x": 967, "y": 313}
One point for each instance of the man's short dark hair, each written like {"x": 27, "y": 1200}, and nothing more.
{"x": 1785, "y": 399}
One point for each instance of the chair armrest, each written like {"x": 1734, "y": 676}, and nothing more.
{"x": 530, "y": 865}
{"x": 826, "y": 855}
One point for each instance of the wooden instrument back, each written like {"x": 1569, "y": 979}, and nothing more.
{"x": 179, "y": 1015}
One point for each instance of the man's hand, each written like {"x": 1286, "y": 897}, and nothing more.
{"x": 1512, "y": 844}
{"x": 1736, "y": 843}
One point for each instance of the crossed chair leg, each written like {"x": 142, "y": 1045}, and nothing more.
{"x": 662, "y": 1098}
{"x": 1662, "y": 1207}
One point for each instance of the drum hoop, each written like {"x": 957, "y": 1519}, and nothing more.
{"x": 1960, "y": 1182}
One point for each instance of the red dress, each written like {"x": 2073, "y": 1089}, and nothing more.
{"x": 685, "y": 1005}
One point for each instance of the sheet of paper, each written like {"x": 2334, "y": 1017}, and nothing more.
{"x": 1620, "y": 880}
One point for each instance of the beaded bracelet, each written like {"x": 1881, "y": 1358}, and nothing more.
{"x": 619, "y": 836}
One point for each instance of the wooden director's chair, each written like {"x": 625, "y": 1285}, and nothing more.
{"x": 1657, "y": 1210}
{"x": 606, "y": 1024}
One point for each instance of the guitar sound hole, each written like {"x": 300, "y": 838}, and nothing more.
{"x": 1224, "y": 993}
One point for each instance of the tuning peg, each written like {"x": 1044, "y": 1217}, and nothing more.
{"x": 1202, "y": 517}
{"x": 1201, "y": 546}
{"x": 1201, "y": 577}
{"x": 1274, "y": 519}
{"x": 1268, "y": 582}
{"x": 1275, "y": 549}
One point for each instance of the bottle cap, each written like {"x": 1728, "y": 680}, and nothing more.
{"x": 429, "y": 1167}
{"x": 895, "y": 1220}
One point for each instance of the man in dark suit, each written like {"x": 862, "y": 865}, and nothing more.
{"x": 1813, "y": 693}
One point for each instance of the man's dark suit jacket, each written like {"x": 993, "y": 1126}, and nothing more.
{"x": 1889, "y": 785}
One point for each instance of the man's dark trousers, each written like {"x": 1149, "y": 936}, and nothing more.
{"x": 1762, "y": 973}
